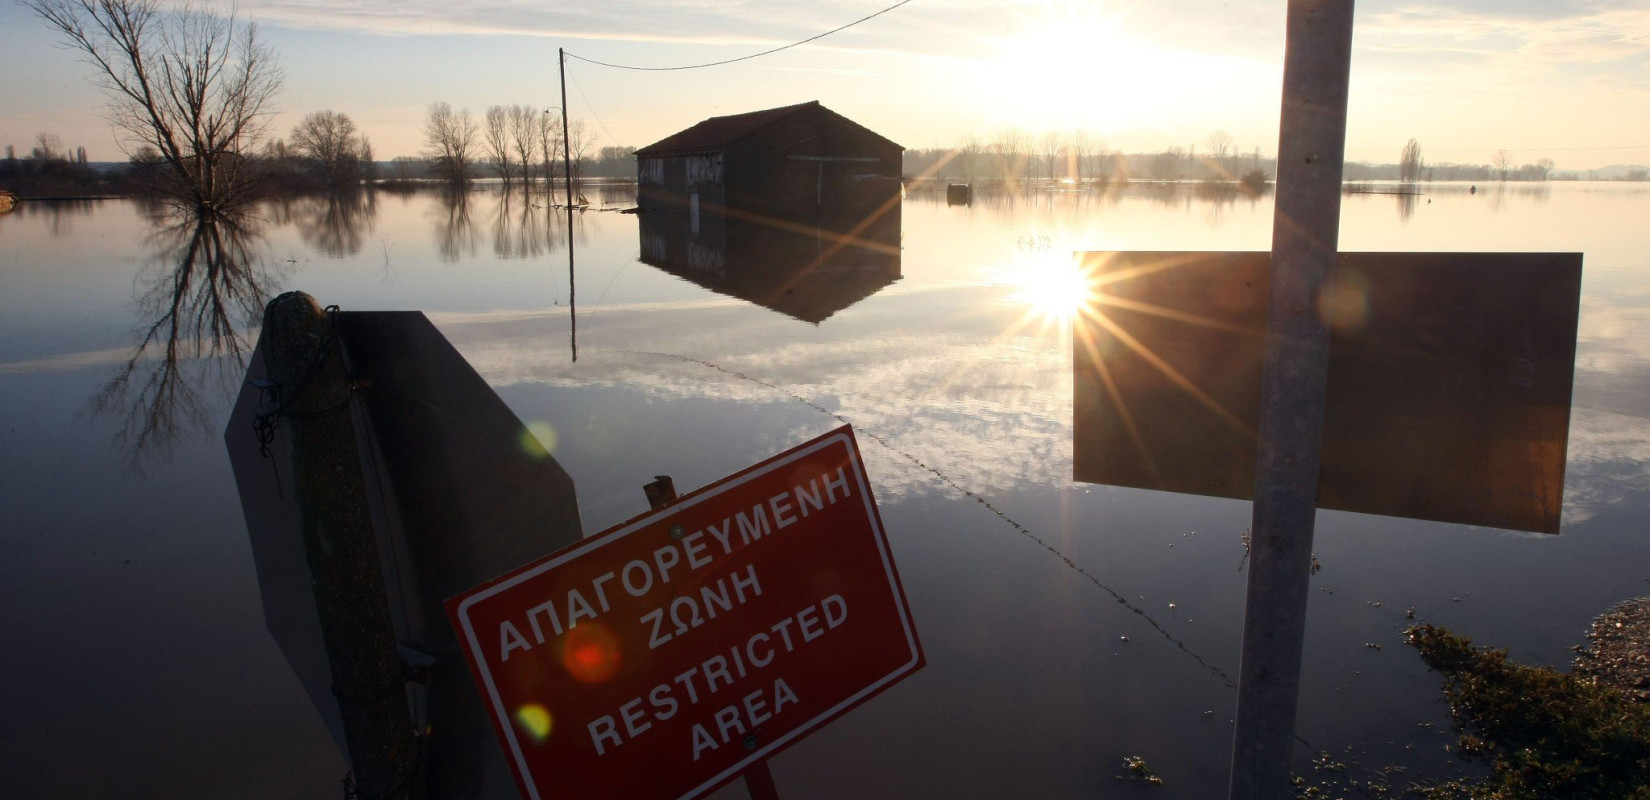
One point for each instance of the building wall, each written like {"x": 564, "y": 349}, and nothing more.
{"x": 798, "y": 168}
{"x": 669, "y": 182}
{"x": 810, "y": 164}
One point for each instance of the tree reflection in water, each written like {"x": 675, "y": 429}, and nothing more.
{"x": 456, "y": 233}
{"x": 204, "y": 288}
{"x": 525, "y": 226}
{"x": 336, "y": 223}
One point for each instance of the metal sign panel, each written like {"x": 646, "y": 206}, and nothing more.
{"x": 460, "y": 490}
{"x": 661, "y": 657}
{"x": 1449, "y": 380}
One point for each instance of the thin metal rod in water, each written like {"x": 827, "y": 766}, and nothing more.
{"x": 1311, "y": 150}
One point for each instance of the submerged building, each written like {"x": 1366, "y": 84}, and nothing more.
{"x": 796, "y": 161}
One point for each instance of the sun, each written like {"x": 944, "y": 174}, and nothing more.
{"x": 1051, "y": 286}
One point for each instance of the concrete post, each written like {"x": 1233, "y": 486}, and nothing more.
{"x": 303, "y": 357}
{"x": 1311, "y": 145}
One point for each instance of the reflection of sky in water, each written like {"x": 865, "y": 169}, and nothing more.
{"x": 1031, "y": 688}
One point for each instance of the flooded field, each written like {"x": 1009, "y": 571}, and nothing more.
{"x": 1067, "y": 626}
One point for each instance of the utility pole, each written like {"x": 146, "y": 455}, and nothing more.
{"x": 566, "y": 143}
{"x": 1306, "y": 223}
{"x": 567, "y": 171}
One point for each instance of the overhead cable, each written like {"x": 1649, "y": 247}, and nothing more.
{"x": 741, "y": 58}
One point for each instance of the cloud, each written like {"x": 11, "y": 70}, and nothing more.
{"x": 737, "y": 22}
{"x": 1544, "y": 33}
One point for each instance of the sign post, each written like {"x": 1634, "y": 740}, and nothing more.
{"x": 664, "y": 657}
{"x": 1305, "y": 230}
{"x": 758, "y": 778}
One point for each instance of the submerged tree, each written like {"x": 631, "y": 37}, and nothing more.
{"x": 496, "y": 140}
{"x": 1409, "y": 162}
{"x": 524, "y": 138}
{"x": 337, "y": 152}
{"x": 192, "y": 85}
{"x": 1222, "y": 155}
{"x": 451, "y": 139}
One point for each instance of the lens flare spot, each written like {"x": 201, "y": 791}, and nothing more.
{"x": 535, "y": 721}
{"x": 1344, "y": 302}
{"x": 590, "y": 653}
{"x": 538, "y": 439}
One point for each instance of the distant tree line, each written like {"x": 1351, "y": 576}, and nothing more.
{"x": 50, "y": 169}
{"x": 1015, "y": 156}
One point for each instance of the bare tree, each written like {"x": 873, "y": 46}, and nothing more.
{"x": 1169, "y": 164}
{"x": 1503, "y": 162}
{"x": 47, "y": 147}
{"x": 579, "y": 141}
{"x": 1409, "y": 162}
{"x": 1082, "y": 146}
{"x": 1012, "y": 148}
{"x": 450, "y": 137}
{"x": 1222, "y": 153}
{"x": 496, "y": 140}
{"x": 337, "y": 152}
{"x": 550, "y": 142}
{"x": 524, "y": 136}
{"x": 192, "y": 84}
{"x": 1050, "y": 148}
{"x": 967, "y": 154}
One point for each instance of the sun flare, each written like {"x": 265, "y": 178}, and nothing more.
{"x": 1052, "y": 286}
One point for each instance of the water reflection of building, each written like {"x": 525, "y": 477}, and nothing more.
{"x": 1449, "y": 380}
{"x": 808, "y": 269}
{"x": 797, "y": 160}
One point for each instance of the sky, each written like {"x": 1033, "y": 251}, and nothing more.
{"x": 1566, "y": 80}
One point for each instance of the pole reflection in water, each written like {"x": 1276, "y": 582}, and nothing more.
{"x": 1449, "y": 380}
{"x": 204, "y": 289}
{"x": 805, "y": 268}
{"x": 572, "y": 291}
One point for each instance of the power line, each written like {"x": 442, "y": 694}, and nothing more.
{"x": 592, "y": 108}
{"x": 742, "y": 58}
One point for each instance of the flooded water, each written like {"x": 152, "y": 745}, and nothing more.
{"x": 1066, "y": 625}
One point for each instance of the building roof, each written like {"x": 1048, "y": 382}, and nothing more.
{"x": 717, "y": 133}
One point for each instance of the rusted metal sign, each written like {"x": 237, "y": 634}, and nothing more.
{"x": 661, "y": 657}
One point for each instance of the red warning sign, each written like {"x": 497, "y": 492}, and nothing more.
{"x": 661, "y": 657}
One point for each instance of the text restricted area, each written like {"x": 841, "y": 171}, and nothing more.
{"x": 661, "y": 657}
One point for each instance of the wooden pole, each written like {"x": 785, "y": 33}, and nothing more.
{"x": 758, "y": 778}
{"x": 567, "y": 172}
{"x": 1305, "y": 236}
{"x": 566, "y": 143}
{"x": 303, "y": 358}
